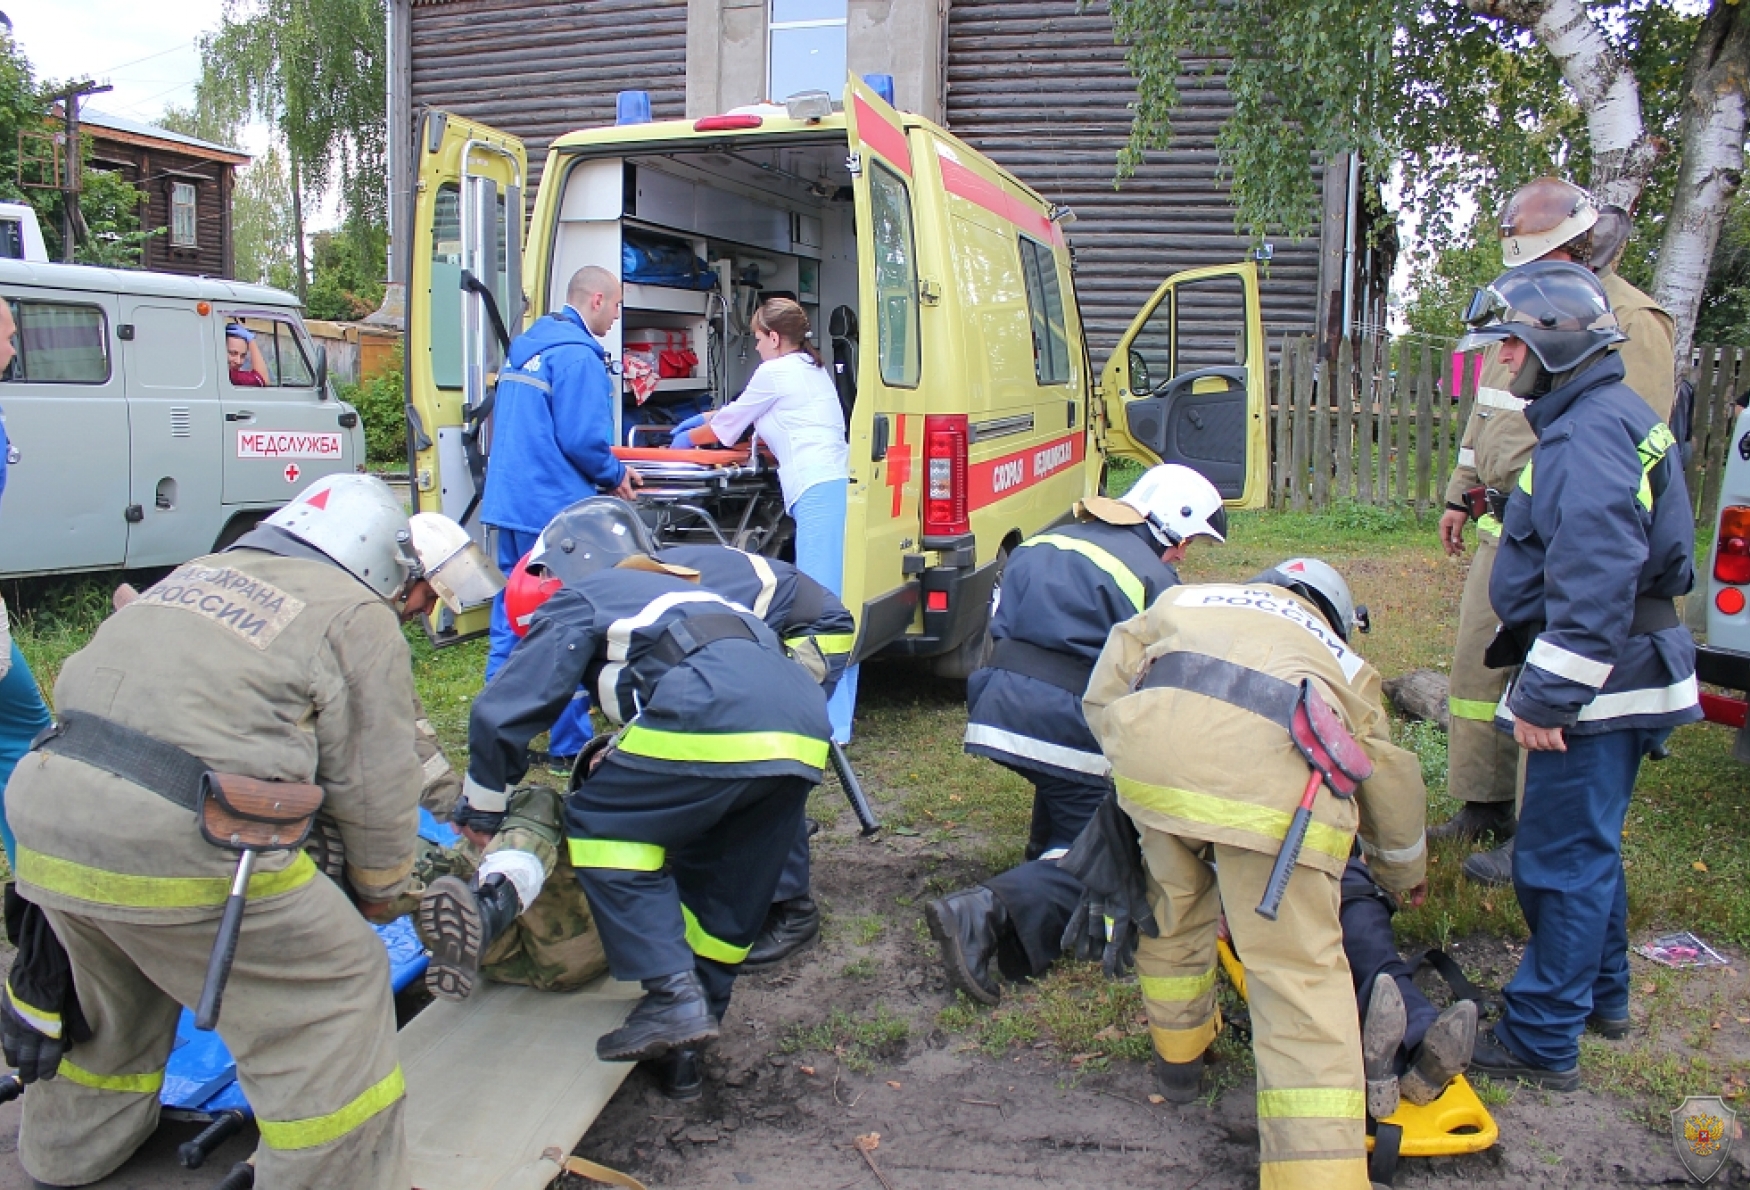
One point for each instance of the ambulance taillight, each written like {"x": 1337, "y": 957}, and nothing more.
{"x": 945, "y": 444}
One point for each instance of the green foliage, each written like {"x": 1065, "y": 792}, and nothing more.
{"x": 382, "y": 404}
{"x": 263, "y": 227}
{"x": 21, "y": 110}
{"x": 1725, "y": 307}
{"x": 1443, "y": 280}
{"x": 347, "y": 267}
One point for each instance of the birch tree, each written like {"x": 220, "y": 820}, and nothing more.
{"x": 1462, "y": 97}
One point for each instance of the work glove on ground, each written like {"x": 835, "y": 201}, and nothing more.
{"x": 1107, "y": 859}
{"x": 40, "y": 1017}
{"x": 679, "y": 440}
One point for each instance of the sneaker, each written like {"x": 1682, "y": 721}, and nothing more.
{"x": 1494, "y": 1059}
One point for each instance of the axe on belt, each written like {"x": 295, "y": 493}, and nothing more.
{"x": 1336, "y": 760}
{"x": 248, "y": 816}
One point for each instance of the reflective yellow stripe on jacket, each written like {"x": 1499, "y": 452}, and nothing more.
{"x": 1127, "y": 582}
{"x": 70, "y": 879}
{"x": 616, "y": 854}
{"x": 1225, "y": 813}
{"x": 320, "y": 1130}
{"x": 734, "y": 747}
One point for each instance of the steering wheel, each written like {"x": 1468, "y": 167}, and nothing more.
{"x": 1235, "y": 376}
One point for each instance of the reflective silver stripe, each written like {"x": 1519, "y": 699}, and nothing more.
{"x": 1664, "y": 700}
{"x": 1028, "y": 748}
{"x": 1565, "y": 663}
{"x": 491, "y": 801}
{"x": 1054, "y": 853}
{"x": 524, "y": 378}
{"x": 1467, "y": 457}
{"x": 1401, "y": 855}
{"x": 768, "y": 584}
{"x": 619, "y": 639}
{"x": 1499, "y": 398}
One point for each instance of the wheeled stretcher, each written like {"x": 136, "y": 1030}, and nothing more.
{"x": 1453, "y": 1124}
{"x": 709, "y": 497}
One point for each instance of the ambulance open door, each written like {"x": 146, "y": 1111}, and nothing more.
{"x": 464, "y": 301}
{"x": 1187, "y": 384}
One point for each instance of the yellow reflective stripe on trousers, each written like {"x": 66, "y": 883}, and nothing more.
{"x": 149, "y": 1083}
{"x": 1312, "y": 1103}
{"x": 1208, "y": 810}
{"x": 286, "y": 1135}
{"x": 729, "y": 747}
{"x": 1471, "y": 708}
{"x": 1177, "y": 988}
{"x": 706, "y": 946}
{"x": 612, "y": 853}
{"x": 69, "y": 879}
{"x": 1127, "y": 582}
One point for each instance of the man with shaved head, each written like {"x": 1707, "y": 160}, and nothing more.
{"x": 552, "y": 445}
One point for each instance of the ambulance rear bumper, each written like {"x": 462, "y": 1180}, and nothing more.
{"x": 956, "y": 603}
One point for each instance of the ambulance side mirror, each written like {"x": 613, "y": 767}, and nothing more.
{"x": 321, "y": 372}
{"x": 1139, "y": 377}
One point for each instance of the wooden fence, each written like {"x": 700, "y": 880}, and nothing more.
{"x": 1377, "y": 430}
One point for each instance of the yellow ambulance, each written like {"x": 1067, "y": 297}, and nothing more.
{"x": 941, "y": 289}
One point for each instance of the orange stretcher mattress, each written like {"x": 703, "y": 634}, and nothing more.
{"x": 698, "y": 456}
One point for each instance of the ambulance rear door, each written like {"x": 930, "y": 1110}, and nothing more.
{"x": 884, "y": 526}
{"x": 1186, "y": 384}
{"x": 464, "y": 299}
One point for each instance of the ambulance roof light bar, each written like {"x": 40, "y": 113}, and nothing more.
{"x": 632, "y": 107}
{"x": 882, "y": 85}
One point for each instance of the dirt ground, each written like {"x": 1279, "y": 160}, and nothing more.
{"x": 952, "y": 1117}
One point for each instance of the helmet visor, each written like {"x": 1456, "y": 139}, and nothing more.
{"x": 466, "y": 579}
{"x": 1485, "y": 306}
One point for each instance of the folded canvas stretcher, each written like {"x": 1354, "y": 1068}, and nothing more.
{"x": 1453, "y": 1124}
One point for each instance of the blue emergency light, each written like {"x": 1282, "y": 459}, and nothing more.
{"x": 882, "y": 85}
{"x": 632, "y": 107}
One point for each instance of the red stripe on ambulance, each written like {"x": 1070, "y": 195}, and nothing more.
{"x": 998, "y": 479}
{"x": 882, "y": 137}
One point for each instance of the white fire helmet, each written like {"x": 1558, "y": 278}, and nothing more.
{"x": 1544, "y": 215}
{"x": 1177, "y": 504}
{"x": 454, "y": 566}
{"x": 1320, "y": 582}
{"x": 357, "y": 521}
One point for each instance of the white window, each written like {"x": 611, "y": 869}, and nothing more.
{"x": 807, "y": 47}
{"x": 184, "y": 231}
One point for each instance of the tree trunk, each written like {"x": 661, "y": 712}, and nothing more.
{"x": 1622, "y": 153}
{"x": 298, "y": 227}
{"x": 1712, "y": 136}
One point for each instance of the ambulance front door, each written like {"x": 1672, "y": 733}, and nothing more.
{"x": 464, "y": 299}
{"x": 1186, "y": 384}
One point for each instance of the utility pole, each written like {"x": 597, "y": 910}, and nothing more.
{"x": 72, "y": 219}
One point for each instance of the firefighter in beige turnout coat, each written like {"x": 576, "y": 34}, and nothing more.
{"x": 277, "y": 661}
{"x": 1549, "y": 220}
{"x": 1205, "y": 780}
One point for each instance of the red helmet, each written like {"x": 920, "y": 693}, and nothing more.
{"x": 524, "y": 592}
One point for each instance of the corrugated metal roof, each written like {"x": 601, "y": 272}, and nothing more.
{"x": 1043, "y": 89}
{"x": 88, "y": 115}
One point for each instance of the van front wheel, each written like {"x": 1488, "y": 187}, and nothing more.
{"x": 237, "y": 526}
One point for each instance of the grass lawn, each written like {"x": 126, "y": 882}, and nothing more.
{"x": 1684, "y": 846}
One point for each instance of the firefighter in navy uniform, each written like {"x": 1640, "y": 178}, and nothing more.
{"x": 1063, "y": 591}
{"x": 682, "y": 826}
{"x": 1597, "y": 541}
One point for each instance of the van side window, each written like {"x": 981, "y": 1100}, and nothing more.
{"x": 1045, "y": 304}
{"x": 896, "y": 279}
{"x": 280, "y": 352}
{"x": 60, "y": 343}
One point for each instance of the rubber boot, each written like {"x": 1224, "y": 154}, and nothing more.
{"x": 460, "y": 923}
{"x": 1491, "y": 867}
{"x": 674, "y": 1014}
{"x": 1477, "y": 819}
{"x": 1381, "y": 1037}
{"x": 1443, "y": 1055}
{"x": 680, "y": 1075}
{"x": 790, "y": 926}
{"x": 1179, "y": 1082}
{"x": 967, "y": 926}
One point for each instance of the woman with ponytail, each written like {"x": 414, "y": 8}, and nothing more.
{"x": 792, "y": 404}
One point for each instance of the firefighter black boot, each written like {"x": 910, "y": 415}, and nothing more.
{"x": 680, "y": 1075}
{"x": 460, "y": 923}
{"x": 1477, "y": 820}
{"x": 790, "y": 926}
{"x": 1491, "y": 867}
{"x": 967, "y": 926}
{"x": 1179, "y": 1082}
{"x": 1382, "y": 1035}
{"x": 674, "y": 1014}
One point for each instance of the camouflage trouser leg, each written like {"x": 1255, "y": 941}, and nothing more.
{"x": 553, "y": 945}
{"x": 442, "y": 784}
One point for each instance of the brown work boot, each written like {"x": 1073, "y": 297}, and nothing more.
{"x": 1476, "y": 820}
{"x": 1443, "y": 1055}
{"x": 459, "y": 923}
{"x": 1381, "y": 1037}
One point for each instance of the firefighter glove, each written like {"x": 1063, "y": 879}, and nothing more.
{"x": 39, "y": 1007}
{"x": 1107, "y": 859}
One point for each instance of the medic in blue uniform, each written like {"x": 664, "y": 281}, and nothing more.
{"x": 1597, "y": 542}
